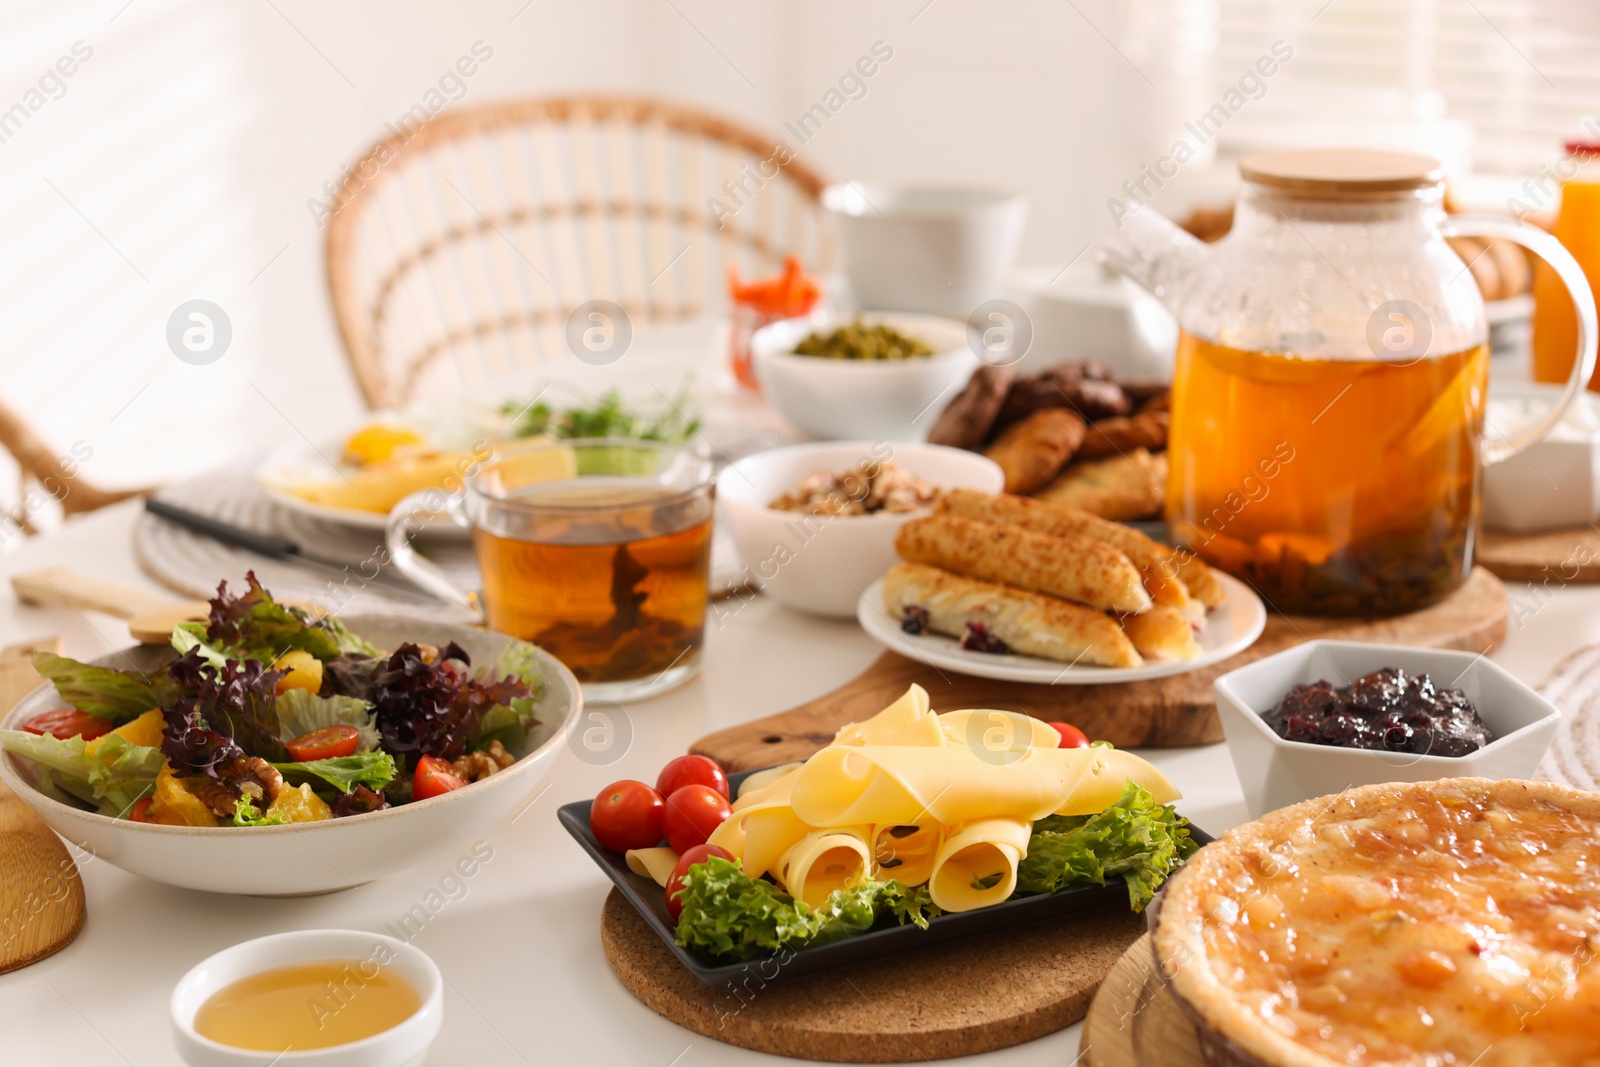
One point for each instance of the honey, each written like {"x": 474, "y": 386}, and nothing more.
{"x": 1333, "y": 486}
{"x": 307, "y": 1006}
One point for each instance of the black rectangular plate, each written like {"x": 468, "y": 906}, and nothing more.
{"x": 650, "y": 901}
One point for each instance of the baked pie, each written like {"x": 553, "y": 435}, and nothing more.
{"x": 1454, "y": 922}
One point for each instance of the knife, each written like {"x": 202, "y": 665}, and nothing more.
{"x": 278, "y": 548}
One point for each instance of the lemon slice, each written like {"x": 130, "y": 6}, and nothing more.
{"x": 378, "y": 442}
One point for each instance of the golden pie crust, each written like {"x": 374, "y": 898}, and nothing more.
{"x": 1443, "y": 923}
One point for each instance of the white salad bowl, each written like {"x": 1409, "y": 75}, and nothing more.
{"x": 314, "y": 857}
{"x": 823, "y": 564}
{"x": 402, "y": 1045}
{"x": 1275, "y": 773}
{"x": 892, "y": 400}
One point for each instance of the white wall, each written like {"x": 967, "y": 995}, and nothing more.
{"x": 178, "y": 162}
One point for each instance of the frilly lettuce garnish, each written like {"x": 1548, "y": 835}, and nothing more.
{"x": 1135, "y": 839}
{"x": 726, "y": 913}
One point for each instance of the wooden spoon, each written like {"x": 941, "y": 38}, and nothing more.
{"x": 41, "y": 894}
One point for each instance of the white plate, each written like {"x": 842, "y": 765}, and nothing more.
{"x": 1231, "y": 627}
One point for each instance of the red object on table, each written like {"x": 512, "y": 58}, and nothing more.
{"x": 757, "y": 303}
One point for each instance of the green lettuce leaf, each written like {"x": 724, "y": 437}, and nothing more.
{"x": 1135, "y": 839}
{"x": 246, "y": 814}
{"x": 187, "y": 635}
{"x": 104, "y": 691}
{"x": 509, "y": 723}
{"x": 371, "y": 769}
{"x": 109, "y": 778}
{"x": 346, "y": 640}
{"x": 300, "y": 712}
{"x": 728, "y": 914}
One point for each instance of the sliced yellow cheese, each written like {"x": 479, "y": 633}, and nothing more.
{"x": 905, "y": 852}
{"x": 822, "y": 862}
{"x": 908, "y": 721}
{"x": 977, "y": 864}
{"x": 849, "y": 786}
{"x": 656, "y": 863}
{"x": 768, "y": 834}
{"x": 774, "y": 791}
{"x": 759, "y": 780}
{"x": 1001, "y": 733}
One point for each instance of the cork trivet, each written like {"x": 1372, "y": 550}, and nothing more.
{"x": 1559, "y": 556}
{"x": 977, "y": 994}
{"x": 1134, "y": 1022}
{"x": 1176, "y": 710}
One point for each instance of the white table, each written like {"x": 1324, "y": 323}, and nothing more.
{"x": 520, "y": 948}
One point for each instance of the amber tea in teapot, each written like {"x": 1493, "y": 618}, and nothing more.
{"x": 1327, "y": 435}
{"x": 1372, "y": 497}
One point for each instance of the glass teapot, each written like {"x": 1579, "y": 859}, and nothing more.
{"x": 1326, "y": 442}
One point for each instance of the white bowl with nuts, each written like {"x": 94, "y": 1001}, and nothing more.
{"x": 839, "y": 505}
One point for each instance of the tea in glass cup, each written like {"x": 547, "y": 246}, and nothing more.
{"x": 599, "y": 552}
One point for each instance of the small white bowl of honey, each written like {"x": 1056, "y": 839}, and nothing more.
{"x": 346, "y": 997}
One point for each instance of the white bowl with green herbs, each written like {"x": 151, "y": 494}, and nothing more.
{"x": 87, "y": 792}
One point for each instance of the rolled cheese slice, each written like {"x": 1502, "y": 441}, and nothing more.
{"x": 1002, "y": 733}
{"x": 908, "y": 721}
{"x": 773, "y": 791}
{"x": 760, "y": 780}
{"x": 977, "y": 864}
{"x": 822, "y": 862}
{"x": 655, "y": 863}
{"x": 955, "y": 784}
{"x": 906, "y": 851}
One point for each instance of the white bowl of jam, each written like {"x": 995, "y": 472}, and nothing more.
{"x": 345, "y": 997}
{"x": 1351, "y": 723}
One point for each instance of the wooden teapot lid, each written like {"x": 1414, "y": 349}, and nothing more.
{"x": 1341, "y": 172}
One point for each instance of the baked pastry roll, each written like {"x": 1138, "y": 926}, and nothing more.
{"x": 1163, "y": 632}
{"x": 1128, "y": 486}
{"x": 1150, "y": 556}
{"x": 1030, "y": 452}
{"x": 1073, "y": 568}
{"x": 990, "y": 617}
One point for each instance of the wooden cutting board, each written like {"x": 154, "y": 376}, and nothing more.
{"x": 960, "y": 998}
{"x": 1558, "y": 557}
{"x": 1172, "y": 711}
{"x": 41, "y": 894}
{"x": 1134, "y": 1021}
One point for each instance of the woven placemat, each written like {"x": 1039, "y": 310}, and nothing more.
{"x": 1574, "y": 687}
{"x": 192, "y": 565}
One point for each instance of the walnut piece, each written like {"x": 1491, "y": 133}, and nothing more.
{"x": 249, "y": 777}
{"x": 476, "y": 766}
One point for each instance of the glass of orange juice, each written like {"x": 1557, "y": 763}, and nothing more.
{"x": 1555, "y": 320}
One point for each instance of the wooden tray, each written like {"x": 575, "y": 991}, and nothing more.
{"x": 1557, "y": 556}
{"x": 1171, "y": 711}
{"x": 1134, "y": 1022}
{"x": 960, "y": 998}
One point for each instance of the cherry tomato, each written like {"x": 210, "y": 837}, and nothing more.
{"x": 326, "y": 743}
{"x": 692, "y": 770}
{"x": 66, "y": 723}
{"x": 140, "y": 812}
{"x": 690, "y": 857}
{"x": 693, "y": 813}
{"x": 434, "y": 777}
{"x": 1071, "y": 736}
{"x": 627, "y": 814}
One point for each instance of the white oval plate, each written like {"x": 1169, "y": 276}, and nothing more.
{"x": 1231, "y": 627}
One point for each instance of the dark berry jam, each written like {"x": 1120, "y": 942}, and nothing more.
{"x": 977, "y": 638}
{"x": 1391, "y": 710}
{"x": 913, "y": 620}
